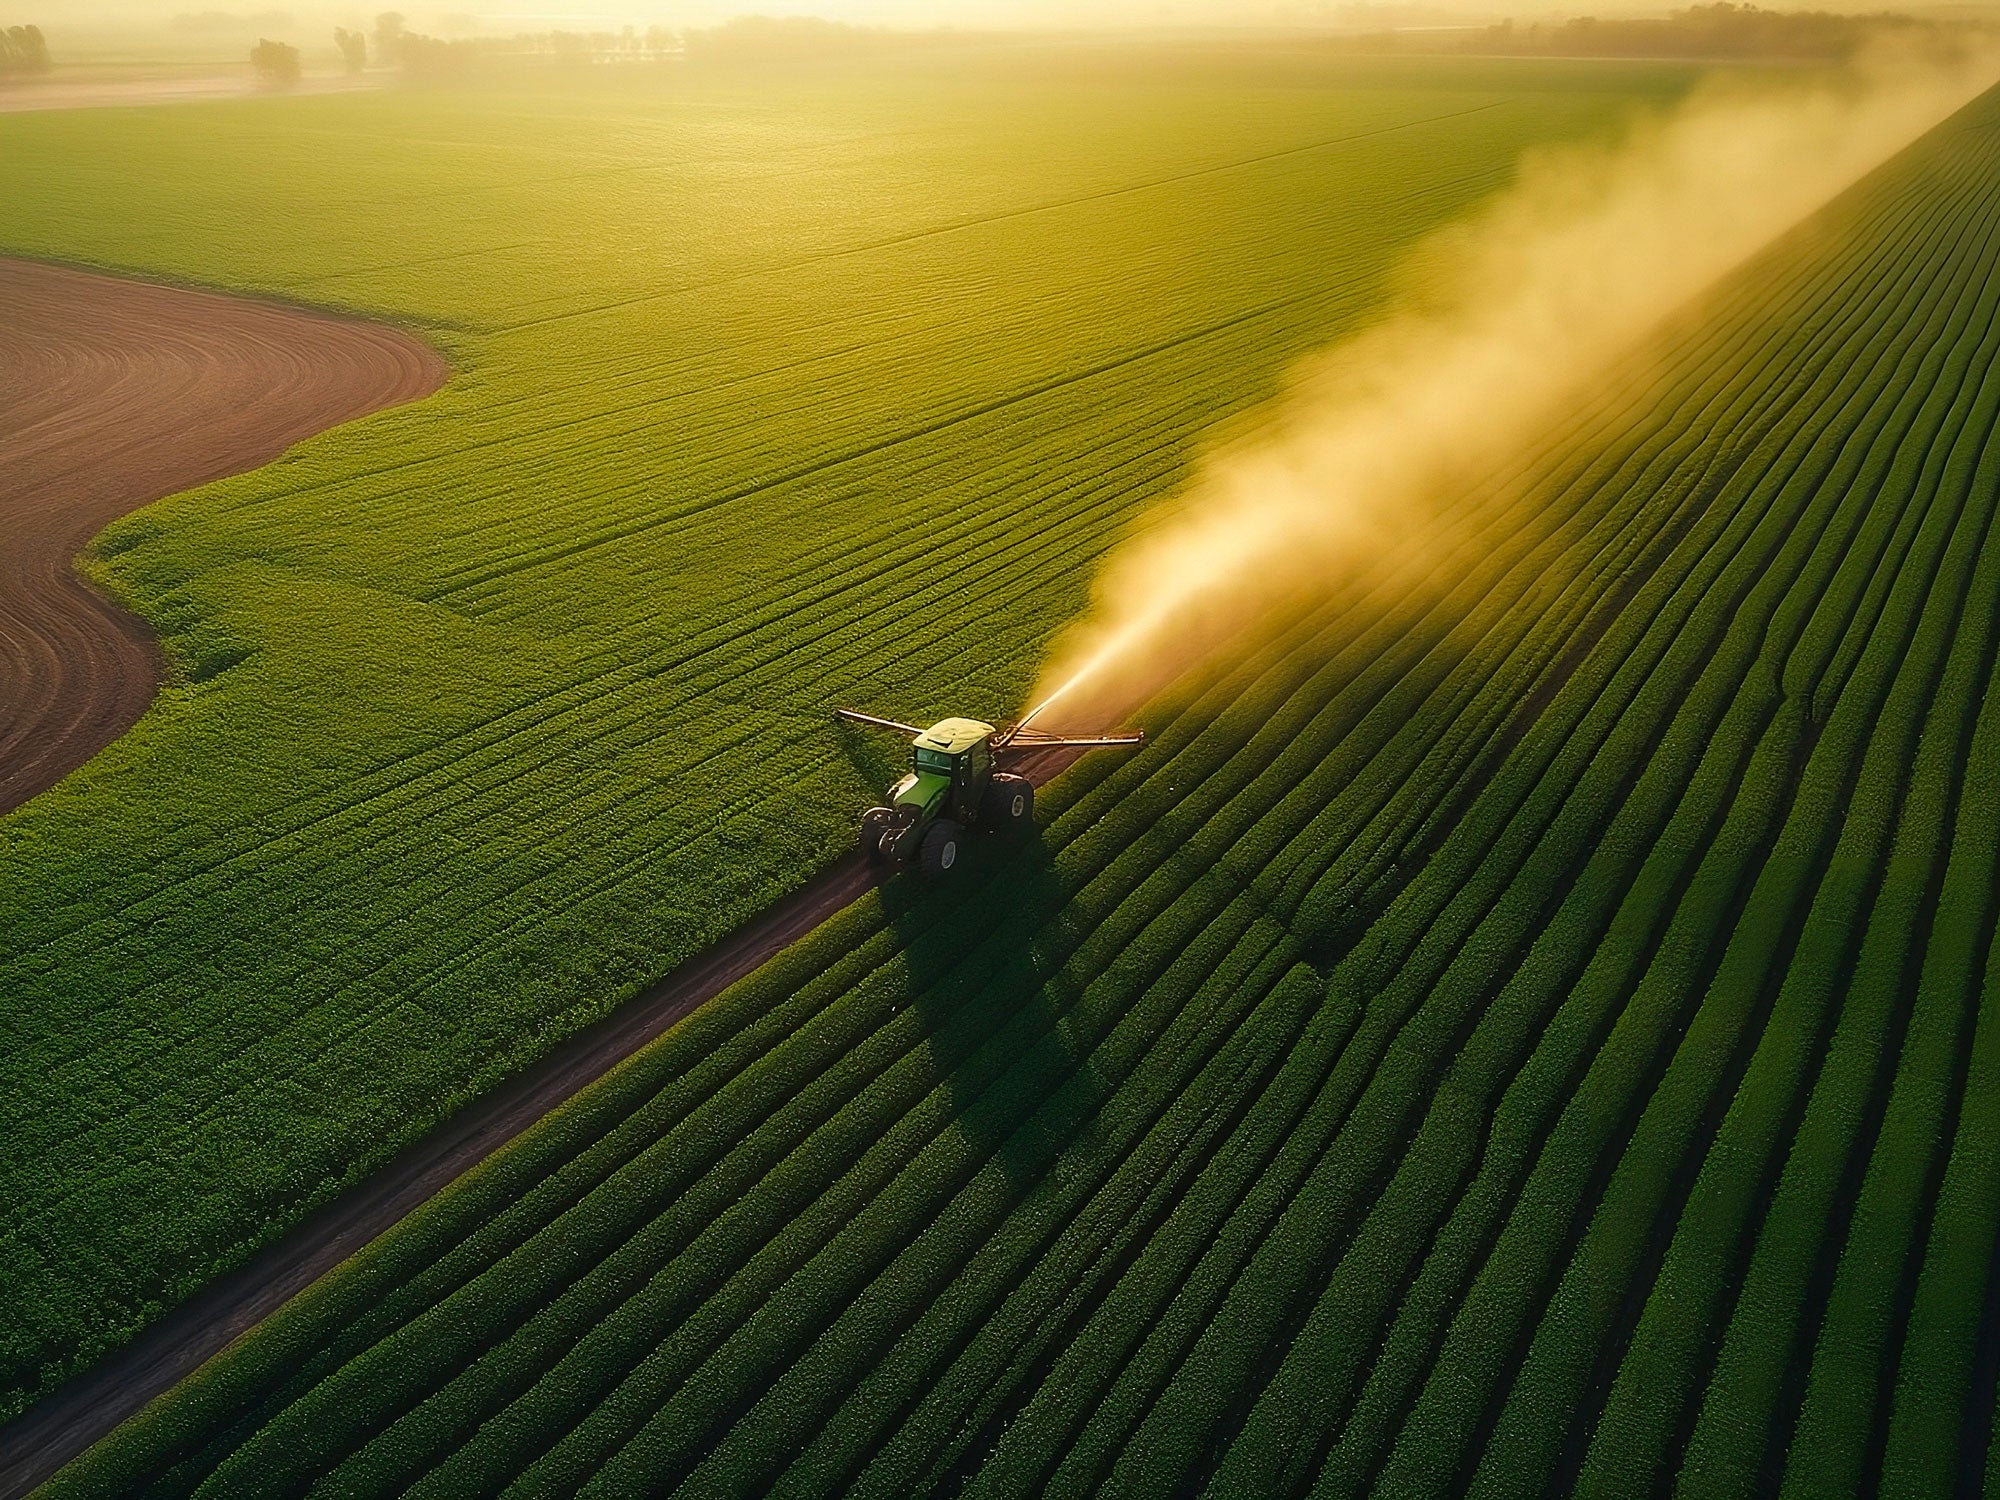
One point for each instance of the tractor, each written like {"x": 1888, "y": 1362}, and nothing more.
{"x": 964, "y": 774}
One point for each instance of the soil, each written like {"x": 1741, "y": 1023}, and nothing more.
{"x": 114, "y": 393}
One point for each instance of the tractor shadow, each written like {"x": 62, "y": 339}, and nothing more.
{"x": 984, "y": 978}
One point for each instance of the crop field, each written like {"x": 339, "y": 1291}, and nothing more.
{"x": 1536, "y": 1029}
{"x": 489, "y": 710}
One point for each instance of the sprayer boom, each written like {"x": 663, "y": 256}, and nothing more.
{"x": 853, "y": 716}
{"x": 1042, "y": 739}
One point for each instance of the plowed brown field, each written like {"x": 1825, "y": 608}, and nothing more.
{"x": 114, "y": 393}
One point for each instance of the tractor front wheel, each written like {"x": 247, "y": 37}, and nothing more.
{"x": 943, "y": 842}
{"x": 874, "y": 823}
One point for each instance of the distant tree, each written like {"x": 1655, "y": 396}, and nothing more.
{"x": 23, "y": 51}
{"x": 389, "y": 34}
{"x": 353, "y": 49}
{"x": 430, "y": 57}
{"x": 275, "y": 62}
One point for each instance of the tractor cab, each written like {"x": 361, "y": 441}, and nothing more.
{"x": 949, "y": 766}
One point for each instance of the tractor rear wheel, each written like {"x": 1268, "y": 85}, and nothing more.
{"x": 943, "y": 842}
{"x": 1009, "y": 805}
{"x": 874, "y": 823}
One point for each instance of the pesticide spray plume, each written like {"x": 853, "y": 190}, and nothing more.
{"x": 1510, "y": 313}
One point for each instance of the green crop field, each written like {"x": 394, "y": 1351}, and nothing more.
{"x": 768, "y": 394}
{"x": 1532, "y": 1029}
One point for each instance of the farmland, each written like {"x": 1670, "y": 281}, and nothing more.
{"x": 203, "y": 386}
{"x": 487, "y": 711}
{"x": 1529, "y": 1029}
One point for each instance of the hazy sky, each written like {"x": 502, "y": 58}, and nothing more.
{"x": 459, "y": 17}
{"x": 507, "y": 15}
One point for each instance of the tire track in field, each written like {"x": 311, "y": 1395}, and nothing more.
{"x": 455, "y": 587}
{"x": 113, "y": 394}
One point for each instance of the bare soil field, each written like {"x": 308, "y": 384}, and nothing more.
{"x": 114, "y": 393}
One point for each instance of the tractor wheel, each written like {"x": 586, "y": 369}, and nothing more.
{"x": 874, "y": 823}
{"x": 943, "y": 843}
{"x": 1010, "y": 805}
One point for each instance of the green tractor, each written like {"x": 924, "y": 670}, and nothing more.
{"x": 964, "y": 774}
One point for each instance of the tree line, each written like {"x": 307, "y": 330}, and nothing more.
{"x": 395, "y": 45}
{"x": 23, "y": 51}
{"x": 1701, "y": 31}
{"x": 390, "y": 43}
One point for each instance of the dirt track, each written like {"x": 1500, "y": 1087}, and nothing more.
{"x": 47, "y": 1436}
{"x": 114, "y": 393}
